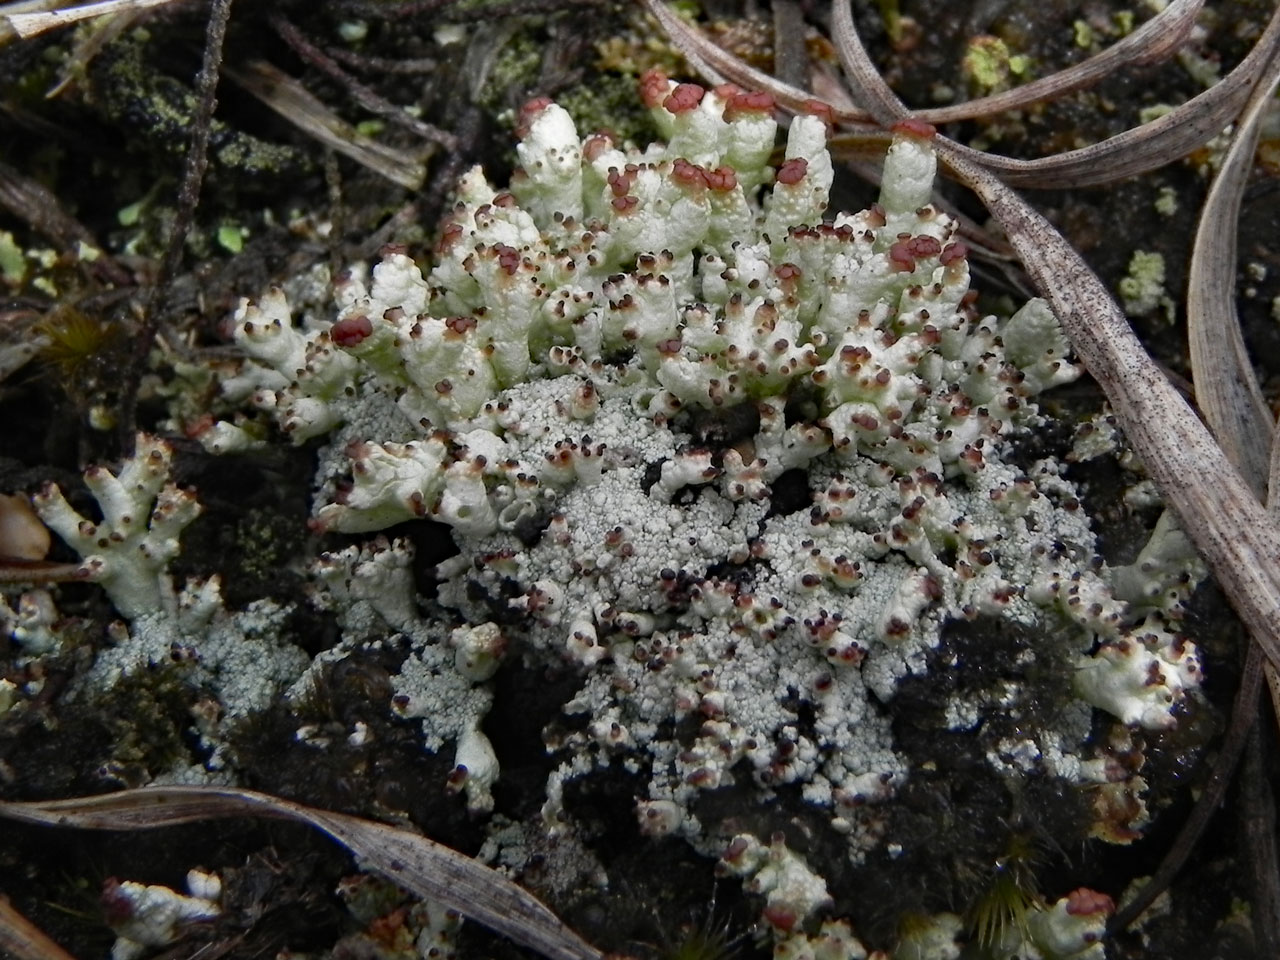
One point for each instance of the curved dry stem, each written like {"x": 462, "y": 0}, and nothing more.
{"x": 1153, "y": 41}
{"x": 868, "y": 87}
{"x": 1227, "y": 392}
{"x": 1135, "y": 151}
{"x": 1127, "y": 154}
{"x": 23, "y": 940}
{"x": 410, "y": 860}
{"x": 717, "y": 66}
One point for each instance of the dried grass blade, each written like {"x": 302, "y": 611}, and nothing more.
{"x": 1216, "y": 508}
{"x": 362, "y": 94}
{"x": 431, "y": 870}
{"x": 26, "y": 25}
{"x": 1273, "y": 690}
{"x": 1127, "y": 154}
{"x": 1171, "y": 137}
{"x": 1156, "y": 39}
{"x": 1227, "y": 392}
{"x": 23, "y": 940}
{"x": 1273, "y": 478}
{"x": 13, "y": 570}
{"x": 790, "y": 58}
{"x": 869, "y": 88}
{"x": 409, "y": 859}
{"x": 150, "y": 808}
{"x": 1271, "y": 671}
{"x": 289, "y": 98}
{"x": 717, "y": 66}
{"x": 26, "y": 6}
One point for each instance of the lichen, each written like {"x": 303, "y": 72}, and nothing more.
{"x": 740, "y": 469}
{"x": 737, "y": 464}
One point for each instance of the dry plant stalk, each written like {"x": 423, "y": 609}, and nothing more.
{"x": 1227, "y": 392}
{"x": 1230, "y": 398}
{"x": 410, "y": 860}
{"x": 293, "y": 101}
{"x": 1155, "y": 40}
{"x": 24, "y": 24}
{"x": 1214, "y": 504}
{"x": 1127, "y": 154}
{"x": 23, "y": 940}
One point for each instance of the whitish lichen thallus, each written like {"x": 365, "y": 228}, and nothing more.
{"x": 736, "y": 461}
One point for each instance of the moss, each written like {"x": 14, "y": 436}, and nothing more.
{"x": 709, "y": 940}
{"x": 517, "y": 67}
{"x": 641, "y": 45}
{"x": 157, "y": 111}
{"x": 75, "y": 338}
{"x": 148, "y": 714}
{"x": 610, "y": 104}
{"x": 1006, "y": 902}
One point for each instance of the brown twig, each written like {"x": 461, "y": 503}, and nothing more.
{"x": 422, "y": 866}
{"x": 362, "y": 94}
{"x": 1230, "y": 399}
{"x": 442, "y": 12}
{"x": 14, "y": 570}
{"x": 197, "y": 161}
{"x": 374, "y": 64}
{"x": 1258, "y": 820}
{"x": 32, "y": 202}
{"x": 23, "y": 940}
{"x": 790, "y": 59}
